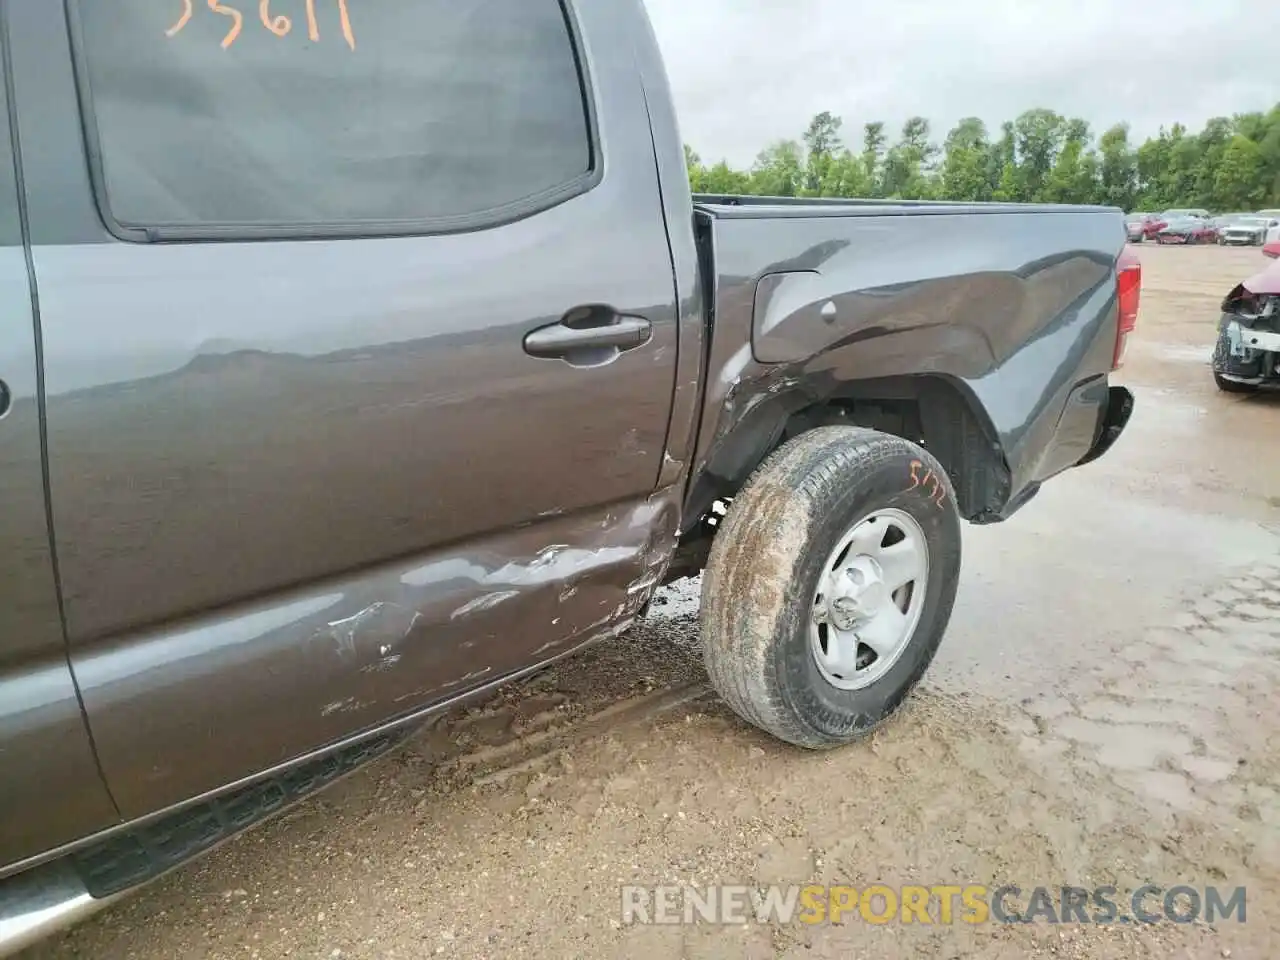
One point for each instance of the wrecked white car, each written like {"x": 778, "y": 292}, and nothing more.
{"x": 1247, "y": 354}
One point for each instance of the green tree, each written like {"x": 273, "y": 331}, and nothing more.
{"x": 1119, "y": 171}
{"x": 1268, "y": 140}
{"x": 1151, "y": 164}
{"x": 722, "y": 178}
{"x": 966, "y": 160}
{"x": 908, "y": 167}
{"x": 778, "y": 170}
{"x": 1230, "y": 163}
{"x": 1237, "y": 182}
{"x": 1038, "y": 136}
{"x": 1074, "y": 178}
{"x": 1002, "y": 167}
{"x": 1182, "y": 168}
{"x": 846, "y": 177}
{"x": 873, "y": 141}
{"x": 822, "y": 142}
{"x": 1212, "y": 143}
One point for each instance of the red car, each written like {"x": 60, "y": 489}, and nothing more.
{"x": 1155, "y": 222}
{"x": 1186, "y": 230}
{"x": 1152, "y": 224}
{"x": 1143, "y": 226}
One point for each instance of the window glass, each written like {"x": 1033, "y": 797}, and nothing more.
{"x": 330, "y": 112}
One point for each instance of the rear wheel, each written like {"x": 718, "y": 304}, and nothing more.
{"x": 830, "y": 584}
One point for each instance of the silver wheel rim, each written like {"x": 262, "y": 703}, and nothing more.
{"x": 869, "y": 599}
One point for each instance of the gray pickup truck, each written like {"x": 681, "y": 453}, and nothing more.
{"x": 359, "y": 358}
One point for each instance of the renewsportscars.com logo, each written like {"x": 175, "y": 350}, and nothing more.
{"x": 933, "y": 904}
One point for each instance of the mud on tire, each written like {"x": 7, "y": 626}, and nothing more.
{"x": 766, "y": 562}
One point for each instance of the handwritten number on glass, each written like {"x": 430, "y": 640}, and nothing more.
{"x": 280, "y": 25}
{"x": 182, "y": 20}
{"x": 237, "y": 21}
{"x": 347, "y": 33}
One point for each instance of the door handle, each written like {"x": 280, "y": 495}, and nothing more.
{"x": 592, "y": 329}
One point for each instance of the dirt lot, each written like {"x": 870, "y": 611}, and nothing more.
{"x": 1103, "y": 710}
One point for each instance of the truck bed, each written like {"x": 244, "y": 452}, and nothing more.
{"x": 1011, "y": 306}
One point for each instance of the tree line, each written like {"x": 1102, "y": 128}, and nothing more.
{"x": 1232, "y": 164}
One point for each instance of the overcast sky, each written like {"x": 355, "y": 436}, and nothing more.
{"x": 746, "y": 72}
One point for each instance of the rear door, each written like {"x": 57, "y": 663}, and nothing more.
{"x": 360, "y": 345}
{"x": 50, "y": 789}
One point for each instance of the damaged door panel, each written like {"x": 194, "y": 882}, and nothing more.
{"x": 310, "y": 667}
{"x": 251, "y": 424}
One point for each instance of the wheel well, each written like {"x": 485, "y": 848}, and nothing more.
{"x": 931, "y": 411}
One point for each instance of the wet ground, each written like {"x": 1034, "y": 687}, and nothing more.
{"x": 1103, "y": 711}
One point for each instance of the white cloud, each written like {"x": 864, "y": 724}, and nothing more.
{"x": 746, "y": 73}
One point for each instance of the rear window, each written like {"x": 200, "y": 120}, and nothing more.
{"x": 296, "y": 114}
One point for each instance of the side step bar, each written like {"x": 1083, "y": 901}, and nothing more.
{"x": 41, "y": 901}
{"x": 48, "y": 898}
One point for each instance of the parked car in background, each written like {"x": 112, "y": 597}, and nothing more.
{"x": 1248, "y": 231}
{"x": 1270, "y": 214}
{"x": 1177, "y": 214}
{"x": 1187, "y": 230}
{"x": 1224, "y": 220}
{"x": 1273, "y": 235}
{"x": 1247, "y": 354}
{"x": 1135, "y": 227}
{"x": 1153, "y": 223}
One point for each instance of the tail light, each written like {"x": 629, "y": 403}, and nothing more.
{"x": 1128, "y": 293}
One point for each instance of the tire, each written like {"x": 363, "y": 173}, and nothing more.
{"x": 1230, "y": 386}
{"x": 776, "y": 543}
